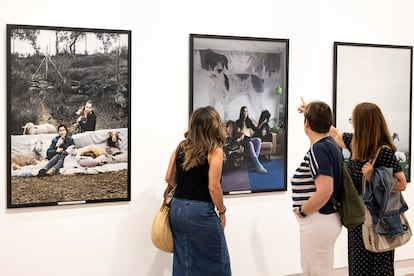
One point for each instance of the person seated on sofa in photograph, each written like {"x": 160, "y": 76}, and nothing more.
{"x": 56, "y": 152}
{"x": 263, "y": 128}
{"x": 233, "y": 148}
{"x": 251, "y": 144}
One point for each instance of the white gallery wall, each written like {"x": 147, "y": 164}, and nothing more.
{"x": 262, "y": 233}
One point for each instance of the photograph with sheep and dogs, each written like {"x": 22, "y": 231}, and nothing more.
{"x": 68, "y": 115}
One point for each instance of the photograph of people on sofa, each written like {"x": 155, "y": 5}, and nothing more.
{"x": 245, "y": 80}
{"x": 251, "y": 164}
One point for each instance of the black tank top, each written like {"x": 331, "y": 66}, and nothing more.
{"x": 192, "y": 184}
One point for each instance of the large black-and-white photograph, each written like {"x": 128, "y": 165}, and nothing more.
{"x": 246, "y": 80}
{"x": 381, "y": 74}
{"x": 68, "y": 115}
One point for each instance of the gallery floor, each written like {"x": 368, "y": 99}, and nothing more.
{"x": 402, "y": 268}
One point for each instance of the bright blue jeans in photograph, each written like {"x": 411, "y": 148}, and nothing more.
{"x": 200, "y": 246}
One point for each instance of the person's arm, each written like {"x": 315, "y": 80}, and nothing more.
{"x": 51, "y": 151}
{"x": 170, "y": 175}
{"x": 401, "y": 184}
{"x": 337, "y": 135}
{"x": 171, "y": 171}
{"x": 261, "y": 124}
{"x": 215, "y": 160}
{"x": 252, "y": 126}
{"x": 301, "y": 108}
{"x": 368, "y": 170}
{"x": 324, "y": 190}
{"x": 333, "y": 131}
{"x": 68, "y": 142}
{"x": 267, "y": 127}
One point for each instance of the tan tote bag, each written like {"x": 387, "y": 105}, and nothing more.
{"x": 375, "y": 242}
{"x": 161, "y": 234}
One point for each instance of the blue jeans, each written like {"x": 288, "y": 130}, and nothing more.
{"x": 253, "y": 146}
{"x": 56, "y": 162}
{"x": 199, "y": 243}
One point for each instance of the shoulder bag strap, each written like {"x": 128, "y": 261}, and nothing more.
{"x": 372, "y": 162}
{"x": 333, "y": 200}
{"x": 169, "y": 190}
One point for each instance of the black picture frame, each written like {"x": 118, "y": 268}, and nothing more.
{"x": 52, "y": 72}
{"x": 253, "y": 72}
{"x": 381, "y": 74}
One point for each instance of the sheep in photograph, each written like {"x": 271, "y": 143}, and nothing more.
{"x": 30, "y": 170}
{"x": 32, "y": 157}
{"x": 31, "y": 128}
{"x": 113, "y": 143}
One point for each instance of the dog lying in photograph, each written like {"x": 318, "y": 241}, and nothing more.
{"x": 111, "y": 146}
{"x": 73, "y": 165}
{"x": 225, "y": 88}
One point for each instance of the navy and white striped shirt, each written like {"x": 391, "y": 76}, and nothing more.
{"x": 324, "y": 157}
{"x": 303, "y": 185}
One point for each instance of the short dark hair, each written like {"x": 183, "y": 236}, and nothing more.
{"x": 62, "y": 125}
{"x": 232, "y": 124}
{"x": 319, "y": 116}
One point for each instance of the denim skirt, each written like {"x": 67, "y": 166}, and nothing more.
{"x": 199, "y": 243}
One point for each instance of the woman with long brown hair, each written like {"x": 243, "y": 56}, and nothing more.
{"x": 370, "y": 134}
{"x": 198, "y": 214}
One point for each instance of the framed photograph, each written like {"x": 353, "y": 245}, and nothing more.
{"x": 246, "y": 80}
{"x": 381, "y": 74}
{"x": 68, "y": 115}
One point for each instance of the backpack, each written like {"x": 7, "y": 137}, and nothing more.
{"x": 350, "y": 205}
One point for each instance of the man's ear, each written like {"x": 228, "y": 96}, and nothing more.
{"x": 306, "y": 123}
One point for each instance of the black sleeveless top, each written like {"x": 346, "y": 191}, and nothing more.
{"x": 192, "y": 184}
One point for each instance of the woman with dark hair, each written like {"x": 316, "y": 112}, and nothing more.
{"x": 251, "y": 144}
{"x": 317, "y": 178}
{"x": 56, "y": 152}
{"x": 195, "y": 170}
{"x": 263, "y": 128}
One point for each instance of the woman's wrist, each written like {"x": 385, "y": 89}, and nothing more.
{"x": 301, "y": 212}
{"x": 223, "y": 211}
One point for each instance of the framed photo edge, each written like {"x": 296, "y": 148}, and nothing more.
{"x": 193, "y": 37}
{"x": 409, "y": 48}
{"x": 128, "y": 33}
